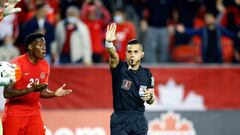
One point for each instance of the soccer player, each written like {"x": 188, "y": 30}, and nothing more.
{"x": 132, "y": 86}
{"x": 9, "y": 8}
{"x": 22, "y": 110}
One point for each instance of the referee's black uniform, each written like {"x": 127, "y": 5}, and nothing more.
{"x": 128, "y": 116}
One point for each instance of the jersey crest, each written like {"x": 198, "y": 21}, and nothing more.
{"x": 126, "y": 84}
{"x": 42, "y": 75}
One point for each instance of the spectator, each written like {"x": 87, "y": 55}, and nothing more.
{"x": 9, "y": 27}
{"x": 158, "y": 15}
{"x": 186, "y": 11}
{"x": 39, "y": 23}
{"x": 26, "y": 13}
{"x": 211, "y": 33}
{"x": 133, "y": 12}
{"x": 8, "y": 51}
{"x": 125, "y": 31}
{"x": 73, "y": 44}
{"x": 64, "y": 4}
{"x": 96, "y": 16}
{"x": 231, "y": 20}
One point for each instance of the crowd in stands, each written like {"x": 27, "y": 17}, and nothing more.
{"x": 171, "y": 31}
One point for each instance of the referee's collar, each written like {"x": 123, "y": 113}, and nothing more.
{"x": 135, "y": 71}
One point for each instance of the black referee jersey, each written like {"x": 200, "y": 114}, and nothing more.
{"x": 125, "y": 87}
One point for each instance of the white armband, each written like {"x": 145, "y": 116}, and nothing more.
{"x": 109, "y": 44}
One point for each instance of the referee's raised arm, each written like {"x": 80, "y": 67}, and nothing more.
{"x": 109, "y": 38}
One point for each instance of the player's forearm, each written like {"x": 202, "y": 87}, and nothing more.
{"x": 9, "y": 92}
{"x": 47, "y": 94}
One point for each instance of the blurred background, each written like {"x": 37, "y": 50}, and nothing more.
{"x": 191, "y": 46}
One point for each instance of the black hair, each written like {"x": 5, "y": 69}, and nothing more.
{"x": 91, "y": 2}
{"x": 211, "y": 13}
{"x": 32, "y": 37}
{"x": 134, "y": 42}
{"x": 120, "y": 10}
{"x": 40, "y": 5}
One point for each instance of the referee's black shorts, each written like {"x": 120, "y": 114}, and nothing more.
{"x": 128, "y": 123}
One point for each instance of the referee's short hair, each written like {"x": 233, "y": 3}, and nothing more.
{"x": 135, "y": 42}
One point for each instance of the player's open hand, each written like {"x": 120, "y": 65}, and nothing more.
{"x": 111, "y": 32}
{"x": 10, "y": 7}
{"x": 62, "y": 92}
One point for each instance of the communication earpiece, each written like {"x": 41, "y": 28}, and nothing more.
{"x": 142, "y": 55}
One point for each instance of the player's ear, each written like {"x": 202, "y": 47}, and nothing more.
{"x": 30, "y": 47}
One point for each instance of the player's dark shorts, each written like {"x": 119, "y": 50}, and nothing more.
{"x": 128, "y": 123}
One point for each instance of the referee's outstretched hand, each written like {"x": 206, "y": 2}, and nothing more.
{"x": 111, "y": 32}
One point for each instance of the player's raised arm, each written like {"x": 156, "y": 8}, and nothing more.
{"x": 109, "y": 38}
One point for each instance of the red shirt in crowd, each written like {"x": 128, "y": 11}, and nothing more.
{"x": 125, "y": 31}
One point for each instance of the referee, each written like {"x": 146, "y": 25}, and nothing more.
{"x": 132, "y": 86}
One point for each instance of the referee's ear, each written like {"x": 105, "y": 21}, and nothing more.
{"x": 142, "y": 55}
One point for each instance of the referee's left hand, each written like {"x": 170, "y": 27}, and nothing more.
{"x": 147, "y": 95}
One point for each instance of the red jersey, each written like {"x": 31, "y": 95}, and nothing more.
{"x": 31, "y": 73}
{"x": 125, "y": 31}
{"x": 96, "y": 33}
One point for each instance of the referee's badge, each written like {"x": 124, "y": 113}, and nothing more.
{"x": 126, "y": 84}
